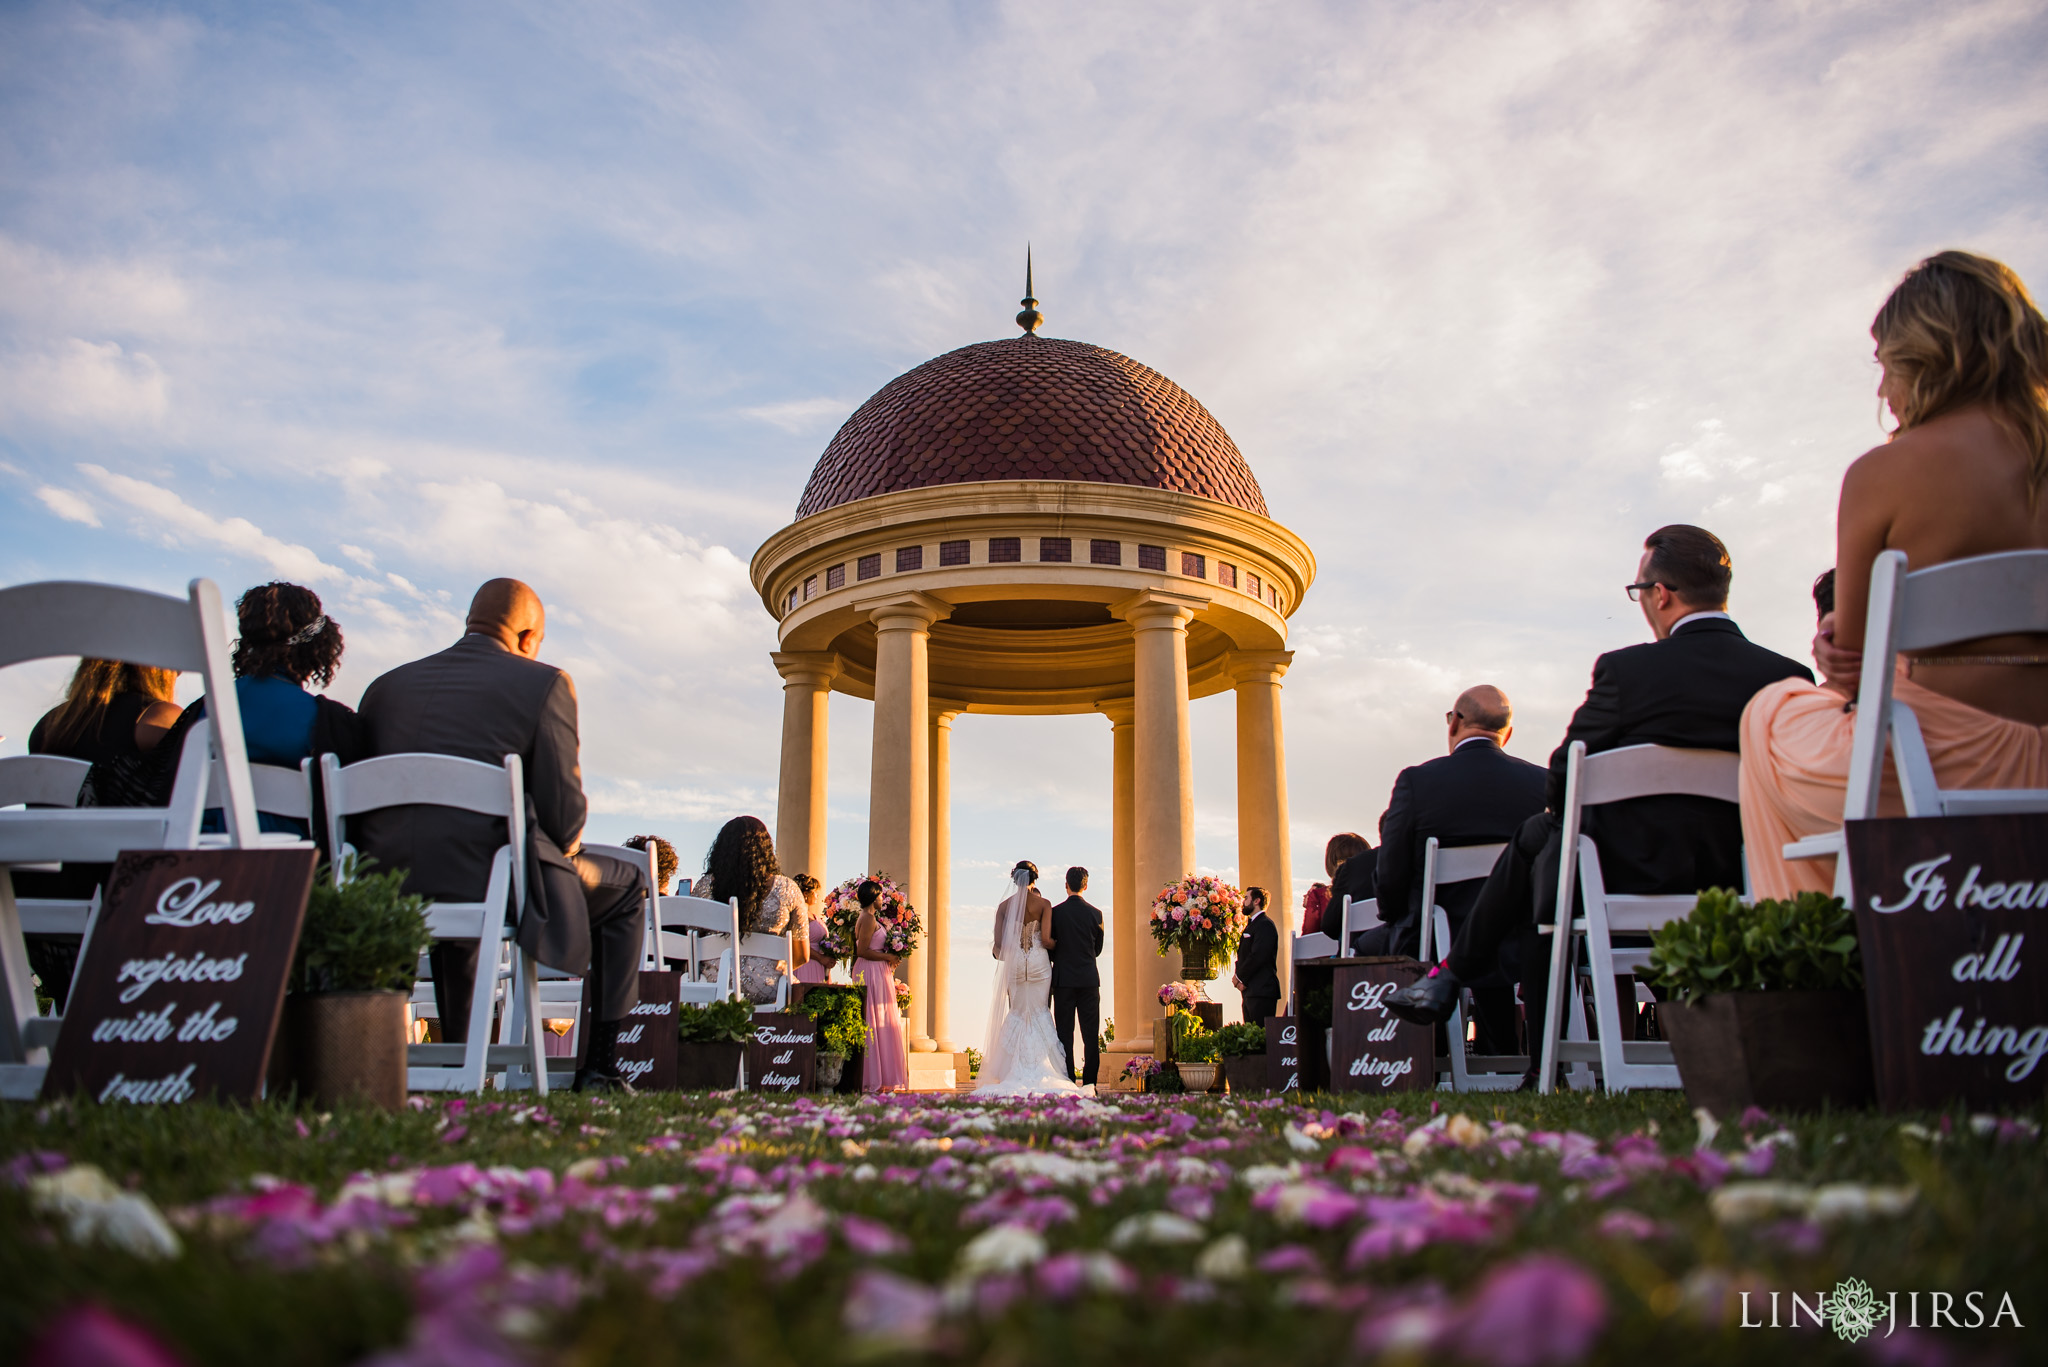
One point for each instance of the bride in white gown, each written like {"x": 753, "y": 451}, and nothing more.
{"x": 1024, "y": 1053}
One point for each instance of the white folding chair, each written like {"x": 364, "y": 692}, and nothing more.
{"x": 696, "y": 930}
{"x": 1355, "y": 917}
{"x": 48, "y": 781}
{"x": 561, "y": 994}
{"x": 490, "y": 790}
{"x": 105, "y": 621}
{"x": 275, "y": 789}
{"x": 1592, "y": 781}
{"x": 1963, "y": 600}
{"x": 765, "y": 945}
{"x": 1463, "y": 864}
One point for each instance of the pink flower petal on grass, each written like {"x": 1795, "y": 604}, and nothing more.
{"x": 87, "y": 1336}
{"x": 1535, "y": 1312}
{"x": 885, "y": 1311}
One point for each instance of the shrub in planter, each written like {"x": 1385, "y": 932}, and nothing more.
{"x": 1769, "y": 1008}
{"x": 842, "y": 1029}
{"x": 1196, "y": 1055}
{"x": 709, "y": 1041}
{"x": 358, "y": 959}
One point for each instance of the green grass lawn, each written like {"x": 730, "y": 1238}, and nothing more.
{"x": 679, "y": 1228}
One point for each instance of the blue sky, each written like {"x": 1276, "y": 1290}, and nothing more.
{"x": 391, "y": 299}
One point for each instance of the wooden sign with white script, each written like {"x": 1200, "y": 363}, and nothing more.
{"x": 1283, "y": 1053}
{"x": 783, "y": 1056}
{"x": 647, "y": 1037}
{"x": 182, "y": 984}
{"x": 1952, "y": 916}
{"x": 1372, "y": 1048}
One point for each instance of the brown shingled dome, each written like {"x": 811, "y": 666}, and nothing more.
{"x": 1031, "y": 408}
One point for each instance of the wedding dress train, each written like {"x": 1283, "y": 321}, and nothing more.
{"x": 1024, "y": 1053}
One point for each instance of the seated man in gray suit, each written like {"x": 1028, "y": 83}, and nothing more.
{"x": 485, "y": 697}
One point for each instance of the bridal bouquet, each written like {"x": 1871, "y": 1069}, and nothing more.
{"x": 1200, "y": 916}
{"x": 841, "y": 913}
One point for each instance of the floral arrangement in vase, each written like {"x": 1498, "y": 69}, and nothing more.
{"x": 903, "y": 996}
{"x": 1200, "y": 916}
{"x": 1178, "y": 995}
{"x": 1142, "y": 1067}
{"x": 840, "y": 911}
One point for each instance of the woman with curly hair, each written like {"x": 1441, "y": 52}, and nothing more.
{"x": 741, "y": 864}
{"x": 1964, "y": 355}
{"x": 286, "y": 643}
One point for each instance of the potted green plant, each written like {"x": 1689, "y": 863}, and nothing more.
{"x": 1196, "y": 1054}
{"x": 842, "y": 1029}
{"x": 359, "y": 952}
{"x": 1245, "y": 1040}
{"x": 1763, "y": 1004}
{"x": 709, "y": 1042}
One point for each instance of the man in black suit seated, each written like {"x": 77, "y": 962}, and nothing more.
{"x": 1478, "y": 794}
{"x": 1076, "y": 985}
{"x": 1687, "y": 688}
{"x": 1257, "y": 971}
{"x": 485, "y": 697}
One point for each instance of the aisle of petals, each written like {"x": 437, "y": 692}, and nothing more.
{"x": 1160, "y": 1200}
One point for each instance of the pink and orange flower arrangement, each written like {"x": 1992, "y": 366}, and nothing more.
{"x": 1202, "y": 917}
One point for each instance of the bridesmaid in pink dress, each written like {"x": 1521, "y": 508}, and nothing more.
{"x": 814, "y": 966}
{"x": 887, "y": 1068}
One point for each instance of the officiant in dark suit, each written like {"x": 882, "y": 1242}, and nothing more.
{"x": 1257, "y": 971}
{"x": 1076, "y": 985}
{"x": 485, "y": 697}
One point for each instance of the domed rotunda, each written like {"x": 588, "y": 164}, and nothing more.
{"x": 1035, "y": 526}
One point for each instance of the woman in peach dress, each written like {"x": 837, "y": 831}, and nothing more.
{"x": 1965, "y": 357}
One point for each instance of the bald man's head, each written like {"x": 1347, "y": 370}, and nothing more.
{"x": 511, "y": 614}
{"x": 1481, "y": 710}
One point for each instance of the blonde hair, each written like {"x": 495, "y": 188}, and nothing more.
{"x": 1962, "y": 330}
{"x": 93, "y": 687}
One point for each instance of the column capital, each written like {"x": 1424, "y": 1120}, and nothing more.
{"x": 912, "y": 611}
{"x": 1151, "y": 609}
{"x": 943, "y": 710}
{"x": 1120, "y": 711}
{"x": 811, "y": 668}
{"x": 1257, "y": 666}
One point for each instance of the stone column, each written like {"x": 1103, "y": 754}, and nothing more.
{"x": 937, "y": 980}
{"x": 1127, "y": 925}
{"x": 1262, "y": 845}
{"x": 800, "y": 797}
{"x": 899, "y": 792}
{"x": 1163, "y": 803}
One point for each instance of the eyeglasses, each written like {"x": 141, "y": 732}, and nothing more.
{"x": 1453, "y": 717}
{"x": 1634, "y": 591}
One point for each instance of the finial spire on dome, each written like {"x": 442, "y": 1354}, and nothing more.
{"x": 1030, "y": 319}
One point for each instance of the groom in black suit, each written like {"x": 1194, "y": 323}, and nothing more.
{"x": 1076, "y": 986}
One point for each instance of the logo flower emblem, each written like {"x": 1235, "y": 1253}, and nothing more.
{"x": 1854, "y": 1308}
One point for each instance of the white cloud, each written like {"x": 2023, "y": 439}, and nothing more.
{"x": 70, "y": 506}
{"x": 72, "y": 381}
{"x": 169, "y": 516}
{"x": 801, "y": 415}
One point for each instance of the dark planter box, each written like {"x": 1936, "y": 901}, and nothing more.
{"x": 1245, "y": 1073}
{"x": 707, "y": 1067}
{"x": 348, "y": 1046}
{"x": 1783, "y": 1051}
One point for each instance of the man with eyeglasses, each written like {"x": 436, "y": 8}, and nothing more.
{"x": 1687, "y": 688}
